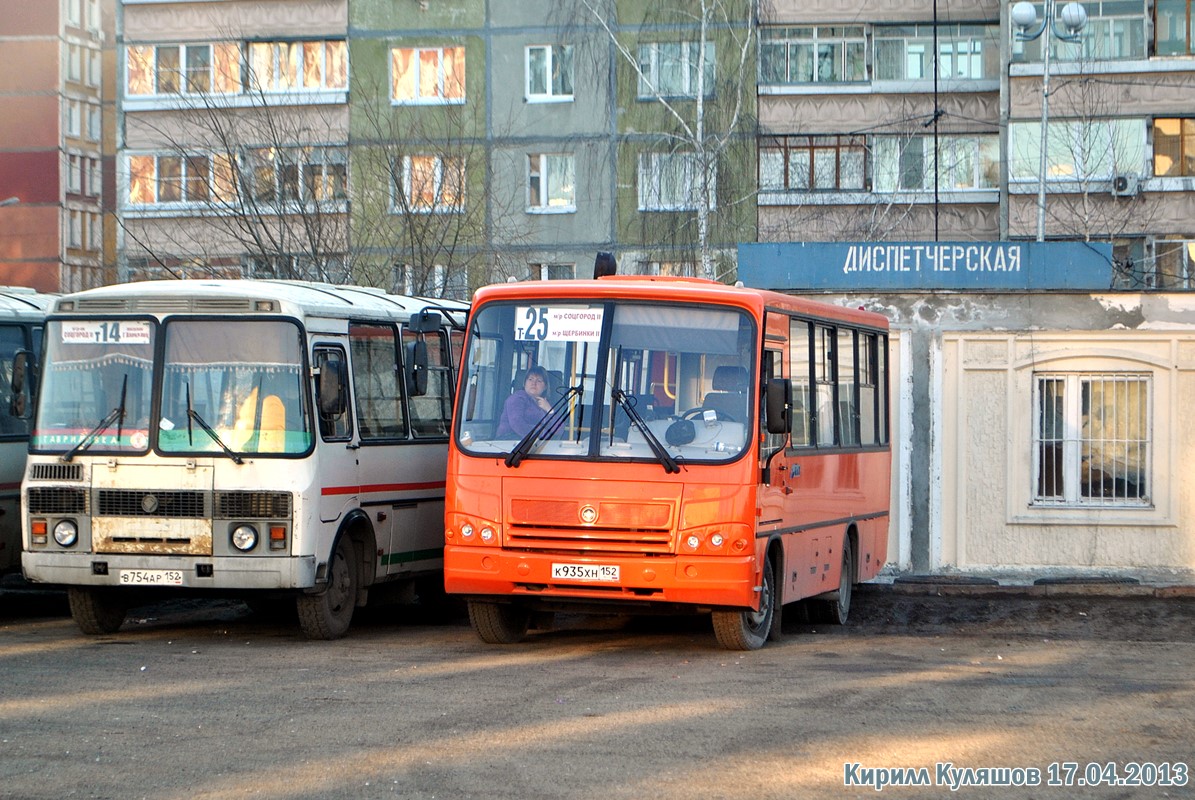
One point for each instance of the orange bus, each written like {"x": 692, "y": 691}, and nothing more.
{"x": 665, "y": 444}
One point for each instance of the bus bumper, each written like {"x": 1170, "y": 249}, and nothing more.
{"x": 197, "y": 572}
{"x": 720, "y": 582}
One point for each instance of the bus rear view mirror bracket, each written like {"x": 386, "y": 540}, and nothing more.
{"x": 778, "y": 404}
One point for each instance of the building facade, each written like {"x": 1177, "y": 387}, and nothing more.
{"x": 52, "y": 144}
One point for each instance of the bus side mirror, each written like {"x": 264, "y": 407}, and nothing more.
{"x": 415, "y": 367}
{"x": 778, "y": 403}
{"x": 424, "y": 321}
{"x": 20, "y": 371}
{"x": 332, "y": 402}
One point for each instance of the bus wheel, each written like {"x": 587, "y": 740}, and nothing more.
{"x": 96, "y": 611}
{"x": 836, "y": 611}
{"x": 499, "y": 623}
{"x": 327, "y": 615}
{"x": 748, "y": 630}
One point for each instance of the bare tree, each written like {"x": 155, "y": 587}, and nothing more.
{"x": 703, "y": 135}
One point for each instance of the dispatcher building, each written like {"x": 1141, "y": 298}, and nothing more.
{"x": 1040, "y": 419}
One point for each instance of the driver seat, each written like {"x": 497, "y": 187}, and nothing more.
{"x": 728, "y": 397}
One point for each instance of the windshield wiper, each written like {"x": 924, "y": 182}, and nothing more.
{"x": 192, "y": 414}
{"x": 115, "y": 415}
{"x": 544, "y": 429}
{"x": 661, "y": 453}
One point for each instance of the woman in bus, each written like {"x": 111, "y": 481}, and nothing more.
{"x": 525, "y": 406}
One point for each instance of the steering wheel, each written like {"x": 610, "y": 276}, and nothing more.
{"x": 699, "y": 411}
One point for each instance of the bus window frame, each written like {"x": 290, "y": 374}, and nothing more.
{"x": 882, "y": 411}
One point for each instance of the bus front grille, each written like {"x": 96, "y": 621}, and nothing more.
{"x": 590, "y": 540}
{"x": 56, "y": 472}
{"x": 151, "y": 503}
{"x": 253, "y": 505}
{"x": 57, "y": 500}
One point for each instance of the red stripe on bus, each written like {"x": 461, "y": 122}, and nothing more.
{"x": 381, "y": 487}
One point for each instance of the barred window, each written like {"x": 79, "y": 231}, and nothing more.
{"x": 1092, "y": 439}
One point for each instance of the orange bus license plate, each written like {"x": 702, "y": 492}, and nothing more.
{"x": 585, "y": 572}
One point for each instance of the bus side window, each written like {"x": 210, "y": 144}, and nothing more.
{"x": 332, "y": 393}
{"x": 431, "y": 411}
{"x": 14, "y": 403}
{"x": 771, "y": 370}
{"x": 376, "y": 379}
{"x": 799, "y": 374}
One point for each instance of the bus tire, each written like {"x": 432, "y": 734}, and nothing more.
{"x": 748, "y": 630}
{"x": 835, "y": 611}
{"x": 96, "y": 611}
{"x": 327, "y": 615}
{"x": 499, "y": 623}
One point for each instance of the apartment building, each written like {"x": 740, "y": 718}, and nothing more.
{"x": 51, "y": 144}
{"x": 233, "y": 130}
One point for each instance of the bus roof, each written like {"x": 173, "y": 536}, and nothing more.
{"x": 20, "y": 302}
{"x": 675, "y": 289}
{"x": 238, "y": 296}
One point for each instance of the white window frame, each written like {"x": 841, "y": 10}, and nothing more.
{"x": 401, "y": 182}
{"x": 439, "y": 99}
{"x": 849, "y": 39}
{"x": 543, "y": 171}
{"x": 651, "y": 56}
{"x": 654, "y": 169}
{"x": 552, "y": 54}
{"x": 73, "y": 118}
{"x": 1078, "y": 150}
{"x": 1111, "y": 448}
{"x": 977, "y": 149}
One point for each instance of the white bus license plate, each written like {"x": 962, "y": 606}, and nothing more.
{"x": 585, "y": 572}
{"x": 151, "y": 577}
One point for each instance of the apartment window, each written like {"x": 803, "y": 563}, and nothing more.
{"x": 74, "y": 181}
{"x": 964, "y": 163}
{"x": 326, "y": 268}
{"x": 298, "y": 66}
{"x": 550, "y": 72}
{"x": 1093, "y": 149}
{"x": 182, "y": 69}
{"x": 74, "y": 232}
{"x": 74, "y": 113}
{"x": 1174, "y": 147}
{"x": 676, "y": 269}
{"x": 95, "y": 74}
{"x": 552, "y": 272}
{"x": 95, "y": 131}
{"x": 297, "y": 174}
{"x": 1173, "y": 27}
{"x": 965, "y": 52}
{"x": 74, "y": 13}
{"x": 429, "y": 183}
{"x": 1092, "y": 439}
{"x": 74, "y": 63}
{"x": 434, "y": 281}
{"x": 813, "y": 163}
{"x": 670, "y": 69}
{"x": 95, "y": 232}
{"x": 672, "y": 182}
{"x": 168, "y": 179}
{"x": 95, "y": 184}
{"x": 1115, "y": 30}
{"x": 93, "y": 15}
{"x": 1173, "y": 264}
{"x": 828, "y": 54}
{"x": 427, "y": 75}
{"x": 551, "y": 183}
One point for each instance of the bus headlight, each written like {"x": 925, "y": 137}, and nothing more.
{"x": 692, "y": 542}
{"x": 466, "y": 531}
{"x": 244, "y": 538}
{"x": 487, "y": 535}
{"x": 66, "y": 533}
{"x": 716, "y": 540}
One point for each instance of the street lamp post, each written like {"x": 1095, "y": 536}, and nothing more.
{"x": 1024, "y": 17}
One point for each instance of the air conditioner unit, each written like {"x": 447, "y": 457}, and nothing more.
{"x": 1124, "y": 185}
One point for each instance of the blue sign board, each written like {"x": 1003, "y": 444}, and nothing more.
{"x": 915, "y": 266}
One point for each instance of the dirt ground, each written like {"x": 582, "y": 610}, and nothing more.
{"x": 205, "y": 699}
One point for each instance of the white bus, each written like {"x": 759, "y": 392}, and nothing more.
{"x": 252, "y": 436}
{"x": 22, "y": 312}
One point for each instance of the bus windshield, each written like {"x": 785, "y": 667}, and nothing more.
{"x": 233, "y": 386}
{"x": 95, "y": 393}
{"x": 608, "y": 380}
